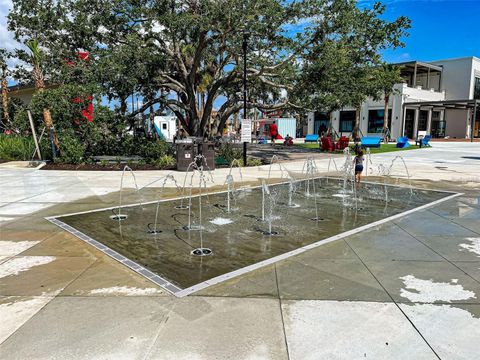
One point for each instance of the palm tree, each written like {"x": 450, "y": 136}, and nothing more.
{"x": 4, "y": 85}
{"x": 387, "y": 76}
{"x": 36, "y": 58}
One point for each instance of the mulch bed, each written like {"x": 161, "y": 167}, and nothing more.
{"x": 99, "y": 167}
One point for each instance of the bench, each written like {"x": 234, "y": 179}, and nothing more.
{"x": 371, "y": 142}
{"x": 311, "y": 138}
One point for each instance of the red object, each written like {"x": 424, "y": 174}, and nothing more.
{"x": 272, "y": 114}
{"x": 342, "y": 143}
{"x": 87, "y": 110}
{"x": 273, "y": 130}
{"x": 327, "y": 144}
{"x": 81, "y": 55}
{"x": 288, "y": 142}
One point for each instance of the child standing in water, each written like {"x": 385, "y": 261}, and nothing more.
{"x": 358, "y": 162}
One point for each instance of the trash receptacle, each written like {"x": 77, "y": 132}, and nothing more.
{"x": 185, "y": 155}
{"x": 207, "y": 149}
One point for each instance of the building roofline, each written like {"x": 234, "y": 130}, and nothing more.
{"x": 456, "y": 59}
{"x": 460, "y": 103}
{"x": 421, "y": 63}
{"x": 21, "y": 88}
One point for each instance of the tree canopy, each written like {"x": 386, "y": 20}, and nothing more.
{"x": 170, "y": 51}
{"x": 342, "y": 63}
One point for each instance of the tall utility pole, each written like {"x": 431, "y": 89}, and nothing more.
{"x": 244, "y": 45}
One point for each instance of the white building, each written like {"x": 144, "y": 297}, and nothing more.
{"x": 439, "y": 97}
{"x": 166, "y": 126}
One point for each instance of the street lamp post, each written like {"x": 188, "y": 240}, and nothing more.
{"x": 244, "y": 46}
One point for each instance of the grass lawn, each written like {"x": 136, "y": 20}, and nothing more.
{"x": 383, "y": 147}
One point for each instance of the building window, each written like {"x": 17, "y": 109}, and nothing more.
{"x": 476, "y": 92}
{"x": 320, "y": 122}
{"x": 347, "y": 121}
{"x": 422, "y": 120}
{"x": 438, "y": 126}
{"x": 375, "y": 120}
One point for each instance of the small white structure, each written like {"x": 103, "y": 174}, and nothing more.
{"x": 166, "y": 126}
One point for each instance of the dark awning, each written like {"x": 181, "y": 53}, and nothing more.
{"x": 445, "y": 104}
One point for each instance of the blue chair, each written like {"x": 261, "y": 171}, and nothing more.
{"x": 371, "y": 142}
{"x": 311, "y": 138}
{"x": 262, "y": 140}
{"x": 402, "y": 142}
{"x": 425, "y": 141}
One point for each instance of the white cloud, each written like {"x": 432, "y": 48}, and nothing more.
{"x": 6, "y": 37}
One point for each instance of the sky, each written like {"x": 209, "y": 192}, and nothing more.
{"x": 441, "y": 29}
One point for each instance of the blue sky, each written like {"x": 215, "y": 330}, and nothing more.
{"x": 441, "y": 29}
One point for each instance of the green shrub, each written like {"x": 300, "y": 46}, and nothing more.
{"x": 229, "y": 153}
{"x": 72, "y": 149}
{"x": 16, "y": 147}
{"x": 253, "y": 162}
{"x": 152, "y": 150}
{"x": 165, "y": 161}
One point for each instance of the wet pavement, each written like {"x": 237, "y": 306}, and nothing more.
{"x": 239, "y": 237}
{"x": 409, "y": 288}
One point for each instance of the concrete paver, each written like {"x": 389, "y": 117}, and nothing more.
{"x": 389, "y": 242}
{"x": 62, "y": 244}
{"x": 454, "y": 248}
{"x": 15, "y": 247}
{"x": 471, "y": 268}
{"x": 90, "y": 328}
{"x": 40, "y": 275}
{"x": 107, "y": 277}
{"x": 437, "y": 281}
{"x": 350, "y": 330}
{"x": 427, "y": 223}
{"x": 259, "y": 283}
{"x": 452, "y": 330}
{"x": 328, "y": 280}
{"x": 17, "y": 310}
{"x": 213, "y": 328}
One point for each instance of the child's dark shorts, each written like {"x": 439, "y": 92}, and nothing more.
{"x": 358, "y": 168}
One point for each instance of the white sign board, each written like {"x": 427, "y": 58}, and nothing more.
{"x": 246, "y": 130}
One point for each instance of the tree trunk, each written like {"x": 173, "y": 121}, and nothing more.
{"x": 330, "y": 131}
{"x": 202, "y": 109}
{"x": 123, "y": 106}
{"x": 385, "y": 119}
{"x": 152, "y": 123}
{"x": 356, "y": 128}
{"x": 47, "y": 116}
{"x": 6, "y": 115}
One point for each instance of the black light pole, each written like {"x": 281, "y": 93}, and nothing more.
{"x": 244, "y": 45}
{"x": 474, "y": 120}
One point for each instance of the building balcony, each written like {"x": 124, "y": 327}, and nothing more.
{"x": 412, "y": 94}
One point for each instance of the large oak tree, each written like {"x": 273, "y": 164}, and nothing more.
{"x": 169, "y": 52}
